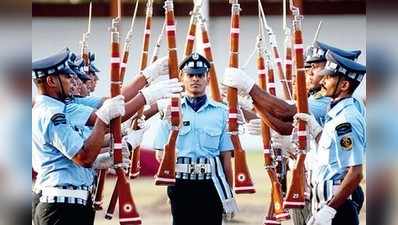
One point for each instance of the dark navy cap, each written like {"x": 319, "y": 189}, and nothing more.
{"x": 317, "y": 53}
{"x": 52, "y": 65}
{"x": 76, "y": 64}
{"x": 195, "y": 64}
{"x": 340, "y": 66}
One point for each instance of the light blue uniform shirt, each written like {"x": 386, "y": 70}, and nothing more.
{"x": 55, "y": 141}
{"x": 203, "y": 133}
{"x": 78, "y": 116}
{"x": 318, "y": 106}
{"x": 91, "y": 101}
{"x": 342, "y": 143}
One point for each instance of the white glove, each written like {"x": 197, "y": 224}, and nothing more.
{"x": 283, "y": 142}
{"x": 323, "y": 217}
{"x": 111, "y": 109}
{"x": 162, "y": 89}
{"x": 103, "y": 161}
{"x": 254, "y": 127}
{"x": 164, "y": 108}
{"x": 245, "y": 102}
{"x": 312, "y": 125}
{"x": 237, "y": 78}
{"x": 158, "y": 68}
{"x": 134, "y": 137}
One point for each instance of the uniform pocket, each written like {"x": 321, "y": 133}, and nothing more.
{"x": 184, "y": 130}
{"x": 210, "y": 138}
{"x": 324, "y": 150}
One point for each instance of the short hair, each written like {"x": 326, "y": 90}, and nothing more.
{"x": 353, "y": 84}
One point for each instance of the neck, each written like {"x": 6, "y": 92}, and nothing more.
{"x": 341, "y": 96}
{"x": 338, "y": 99}
{"x": 50, "y": 93}
{"x": 193, "y": 95}
{"x": 196, "y": 102}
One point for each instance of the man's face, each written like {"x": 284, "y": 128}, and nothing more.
{"x": 65, "y": 86}
{"x": 74, "y": 88}
{"x": 81, "y": 88}
{"x": 313, "y": 77}
{"x": 84, "y": 90}
{"x": 195, "y": 84}
{"x": 329, "y": 85}
{"x": 93, "y": 82}
{"x": 89, "y": 84}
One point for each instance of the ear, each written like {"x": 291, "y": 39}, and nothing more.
{"x": 50, "y": 80}
{"x": 345, "y": 85}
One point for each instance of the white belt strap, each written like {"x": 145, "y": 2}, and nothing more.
{"x": 323, "y": 192}
{"x": 223, "y": 189}
{"x": 57, "y": 192}
{"x": 195, "y": 168}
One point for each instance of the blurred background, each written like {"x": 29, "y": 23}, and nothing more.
{"x": 60, "y": 24}
{"x": 31, "y": 30}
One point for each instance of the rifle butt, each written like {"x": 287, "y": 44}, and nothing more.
{"x": 128, "y": 214}
{"x": 277, "y": 200}
{"x": 166, "y": 172}
{"x": 295, "y": 196}
{"x": 270, "y": 218}
{"x": 243, "y": 180}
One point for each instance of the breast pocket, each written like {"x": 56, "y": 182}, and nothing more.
{"x": 182, "y": 140}
{"x": 324, "y": 150}
{"x": 210, "y": 138}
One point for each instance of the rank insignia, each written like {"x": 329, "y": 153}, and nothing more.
{"x": 58, "y": 118}
{"x": 346, "y": 143}
{"x": 343, "y": 128}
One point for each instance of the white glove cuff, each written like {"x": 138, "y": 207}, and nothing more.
{"x": 147, "y": 96}
{"x": 101, "y": 161}
{"x": 331, "y": 211}
{"x": 148, "y": 76}
{"x": 317, "y": 131}
{"x": 250, "y": 84}
{"x": 102, "y": 117}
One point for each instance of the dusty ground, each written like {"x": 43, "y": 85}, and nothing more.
{"x": 152, "y": 205}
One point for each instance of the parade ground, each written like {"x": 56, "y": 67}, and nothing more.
{"x": 152, "y": 202}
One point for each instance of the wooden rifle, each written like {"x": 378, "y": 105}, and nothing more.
{"x": 242, "y": 180}
{"x": 135, "y": 159}
{"x": 84, "y": 43}
{"x": 276, "y": 56}
{"x": 127, "y": 210}
{"x": 127, "y": 44}
{"x": 97, "y": 204}
{"x": 288, "y": 49}
{"x": 295, "y": 196}
{"x": 213, "y": 83}
{"x": 277, "y": 198}
{"x": 190, "y": 39}
{"x": 123, "y": 65}
{"x": 155, "y": 53}
{"x": 166, "y": 172}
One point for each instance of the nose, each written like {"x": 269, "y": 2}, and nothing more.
{"x": 195, "y": 77}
